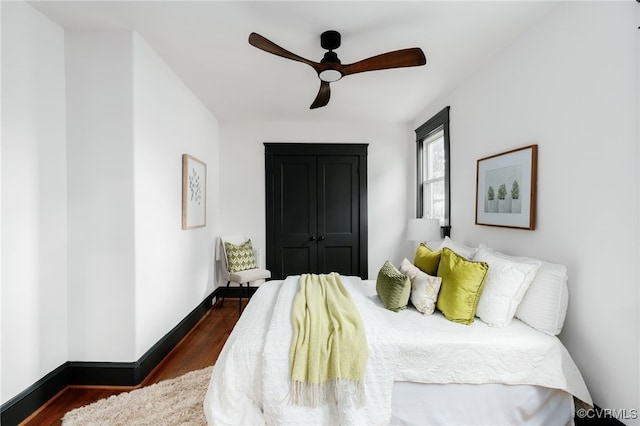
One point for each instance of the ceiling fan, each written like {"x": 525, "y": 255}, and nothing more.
{"x": 330, "y": 68}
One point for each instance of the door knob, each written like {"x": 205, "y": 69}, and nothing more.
{"x": 321, "y": 238}
{"x": 312, "y": 238}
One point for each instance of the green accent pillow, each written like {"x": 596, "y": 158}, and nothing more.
{"x": 393, "y": 287}
{"x": 240, "y": 257}
{"x": 462, "y": 284}
{"x": 427, "y": 260}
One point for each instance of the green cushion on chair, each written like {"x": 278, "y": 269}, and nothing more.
{"x": 240, "y": 257}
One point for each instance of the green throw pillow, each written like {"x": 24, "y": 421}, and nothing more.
{"x": 427, "y": 260}
{"x": 393, "y": 287}
{"x": 240, "y": 258}
{"x": 462, "y": 284}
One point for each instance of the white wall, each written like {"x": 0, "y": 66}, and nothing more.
{"x": 34, "y": 198}
{"x": 569, "y": 85}
{"x": 242, "y": 180}
{"x": 174, "y": 268}
{"x": 101, "y": 211}
{"x": 1, "y": 216}
{"x": 95, "y": 264}
{"x": 134, "y": 273}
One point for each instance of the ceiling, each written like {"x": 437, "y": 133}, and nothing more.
{"x": 205, "y": 43}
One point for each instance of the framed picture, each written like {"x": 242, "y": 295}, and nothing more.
{"x": 506, "y": 189}
{"x": 194, "y": 192}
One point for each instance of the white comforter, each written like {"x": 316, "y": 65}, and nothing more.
{"x": 250, "y": 381}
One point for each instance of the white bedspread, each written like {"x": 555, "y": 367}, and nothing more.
{"x": 250, "y": 381}
{"x": 436, "y": 350}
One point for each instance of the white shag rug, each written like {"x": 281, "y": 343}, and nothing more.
{"x": 170, "y": 402}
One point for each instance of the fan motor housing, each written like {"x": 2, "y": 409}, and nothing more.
{"x": 330, "y": 57}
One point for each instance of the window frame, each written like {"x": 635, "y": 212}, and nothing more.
{"x": 434, "y": 124}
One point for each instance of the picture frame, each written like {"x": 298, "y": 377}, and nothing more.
{"x": 506, "y": 189}
{"x": 194, "y": 192}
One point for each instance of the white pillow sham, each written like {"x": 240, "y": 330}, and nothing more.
{"x": 544, "y": 304}
{"x": 424, "y": 287}
{"x": 506, "y": 283}
{"x": 458, "y": 247}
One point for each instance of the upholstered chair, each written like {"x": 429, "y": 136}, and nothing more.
{"x": 240, "y": 265}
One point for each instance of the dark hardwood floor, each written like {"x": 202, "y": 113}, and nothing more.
{"x": 198, "y": 349}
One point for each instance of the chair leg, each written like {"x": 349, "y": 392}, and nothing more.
{"x": 225, "y": 294}
{"x": 247, "y": 294}
{"x": 240, "y": 300}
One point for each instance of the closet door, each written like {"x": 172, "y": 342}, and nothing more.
{"x": 316, "y": 209}
{"x": 295, "y": 225}
{"x": 338, "y": 214}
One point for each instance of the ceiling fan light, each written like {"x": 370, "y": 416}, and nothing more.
{"x": 330, "y": 75}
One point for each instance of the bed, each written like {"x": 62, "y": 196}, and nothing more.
{"x": 422, "y": 369}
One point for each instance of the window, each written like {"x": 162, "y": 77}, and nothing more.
{"x": 433, "y": 176}
{"x": 432, "y": 143}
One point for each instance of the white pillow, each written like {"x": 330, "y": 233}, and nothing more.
{"x": 461, "y": 249}
{"x": 424, "y": 287}
{"x": 506, "y": 283}
{"x": 544, "y": 305}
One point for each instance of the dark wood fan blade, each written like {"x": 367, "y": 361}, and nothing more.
{"x": 323, "y": 96}
{"x": 397, "y": 59}
{"x": 262, "y": 43}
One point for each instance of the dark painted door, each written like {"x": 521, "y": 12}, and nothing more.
{"x": 338, "y": 212}
{"x": 316, "y": 209}
{"x": 295, "y": 224}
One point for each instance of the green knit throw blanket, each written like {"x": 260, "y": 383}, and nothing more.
{"x": 329, "y": 351}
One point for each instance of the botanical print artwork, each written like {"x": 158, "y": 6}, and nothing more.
{"x": 503, "y": 190}
{"x": 194, "y": 192}
{"x": 506, "y": 188}
{"x": 195, "y": 186}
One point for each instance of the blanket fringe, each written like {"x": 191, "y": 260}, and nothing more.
{"x": 344, "y": 392}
